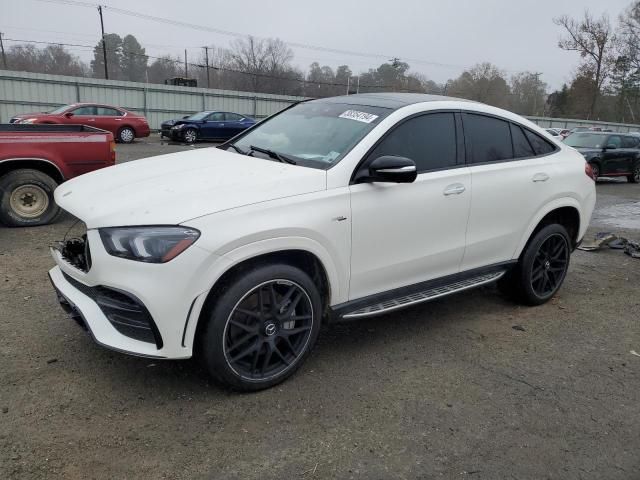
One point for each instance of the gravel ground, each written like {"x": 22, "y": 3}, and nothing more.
{"x": 471, "y": 386}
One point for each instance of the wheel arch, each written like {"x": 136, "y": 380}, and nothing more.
{"x": 42, "y": 165}
{"x": 309, "y": 260}
{"x": 565, "y": 212}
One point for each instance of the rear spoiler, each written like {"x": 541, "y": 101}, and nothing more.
{"x": 48, "y": 128}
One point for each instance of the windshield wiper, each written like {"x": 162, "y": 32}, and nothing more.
{"x": 275, "y": 155}
{"x": 238, "y": 149}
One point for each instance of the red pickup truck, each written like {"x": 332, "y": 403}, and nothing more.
{"x": 35, "y": 159}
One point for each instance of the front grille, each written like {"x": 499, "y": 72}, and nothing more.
{"x": 125, "y": 312}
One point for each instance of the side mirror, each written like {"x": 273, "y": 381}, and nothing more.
{"x": 392, "y": 169}
{"x": 610, "y": 146}
{"x": 68, "y": 114}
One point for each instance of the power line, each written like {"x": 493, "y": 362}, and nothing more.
{"x": 198, "y": 65}
{"x": 203, "y": 28}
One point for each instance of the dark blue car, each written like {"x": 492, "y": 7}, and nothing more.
{"x": 206, "y": 126}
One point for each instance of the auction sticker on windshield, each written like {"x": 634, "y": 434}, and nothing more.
{"x": 359, "y": 116}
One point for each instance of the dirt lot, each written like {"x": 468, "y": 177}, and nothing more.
{"x": 449, "y": 389}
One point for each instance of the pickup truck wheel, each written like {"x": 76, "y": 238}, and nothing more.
{"x": 541, "y": 269}
{"x": 261, "y": 328}
{"x": 635, "y": 176}
{"x": 126, "y": 135}
{"x": 26, "y": 198}
{"x": 190, "y": 135}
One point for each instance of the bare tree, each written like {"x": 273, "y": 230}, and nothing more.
{"x": 595, "y": 40}
{"x": 260, "y": 61}
{"x": 53, "y": 59}
{"x": 527, "y": 93}
{"x": 484, "y": 83}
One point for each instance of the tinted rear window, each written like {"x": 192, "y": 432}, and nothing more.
{"x": 489, "y": 138}
{"x": 539, "y": 144}
{"x": 521, "y": 146}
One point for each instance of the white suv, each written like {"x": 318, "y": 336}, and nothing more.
{"x": 344, "y": 207}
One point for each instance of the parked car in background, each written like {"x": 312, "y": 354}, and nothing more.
{"x": 324, "y": 211}
{"x": 555, "y": 133}
{"x": 125, "y": 125}
{"x": 206, "y": 126}
{"x": 610, "y": 155}
{"x": 579, "y": 129}
{"x": 35, "y": 159}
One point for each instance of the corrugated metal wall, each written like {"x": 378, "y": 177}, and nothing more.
{"x": 22, "y": 92}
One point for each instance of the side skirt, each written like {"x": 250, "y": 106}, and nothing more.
{"x": 403, "y": 297}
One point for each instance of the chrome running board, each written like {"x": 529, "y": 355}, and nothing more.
{"x": 424, "y": 296}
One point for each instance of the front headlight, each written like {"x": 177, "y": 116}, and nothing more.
{"x": 28, "y": 120}
{"x": 178, "y": 127}
{"x": 148, "y": 244}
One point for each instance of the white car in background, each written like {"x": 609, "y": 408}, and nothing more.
{"x": 344, "y": 207}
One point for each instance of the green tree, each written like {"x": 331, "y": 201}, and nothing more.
{"x": 133, "y": 62}
{"x": 113, "y": 44}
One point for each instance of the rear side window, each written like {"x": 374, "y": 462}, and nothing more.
{"x": 488, "y": 139}
{"x": 630, "y": 142}
{"x": 539, "y": 144}
{"x": 429, "y": 140}
{"x": 521, "y": 146}
{"x": 232, "y": 117}
{"x": 108, "y": 112}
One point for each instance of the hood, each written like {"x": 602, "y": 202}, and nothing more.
{"x": 171, "y": 189}
{"x": 170, "y": 122}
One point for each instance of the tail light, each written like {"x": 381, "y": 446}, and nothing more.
{"x": 112, "y": 150}
{"x": 589, "y": 171}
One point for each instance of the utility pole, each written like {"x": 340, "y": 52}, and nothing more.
{"x": 206, "y": 59}
{"x": 4, "y": 57}
{"x": 535, "y": 97}
{"x": 186, "y": 75}
{"x": 348, "y": 81}
{"x": 104, "y": 44}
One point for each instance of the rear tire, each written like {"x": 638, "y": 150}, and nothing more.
{"x": 126, "y": 135}
{"x": 26, "y": 198}
{"x": 261, "y": 327}
{"x": 541, "y": 269}
{"x": 635, "y": 176}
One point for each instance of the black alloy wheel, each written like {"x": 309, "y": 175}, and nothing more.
{"x": 541, "y": 268}
{"x": 268, "y": 330}
{"x": 260, "y": 326}
{"x": 550, "y": 265}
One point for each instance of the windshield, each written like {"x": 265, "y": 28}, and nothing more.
{"x": 198, "y": 116}
{"x": 315, "y": 134}
{"x": 585, "y": 140}
{"x": 60, "y": 109}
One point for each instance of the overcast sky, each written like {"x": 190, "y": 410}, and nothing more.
{"x": 514, "y": 35}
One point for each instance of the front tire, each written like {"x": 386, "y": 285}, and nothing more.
{"x": 541, "y": 269}
{"x": 635, "y": 176}
{"x": 261, "y": 327}
{"x": 190, "y": 136}
{"x": 26, "y": 198}
{"x": 126, "y": 135}
{"x": 595, "y": 168}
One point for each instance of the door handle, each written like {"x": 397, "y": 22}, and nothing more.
{"x": 454, "y": 189}
{"x": 540, "y": 177}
